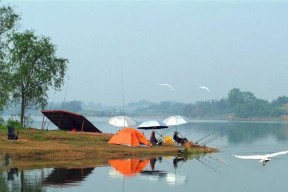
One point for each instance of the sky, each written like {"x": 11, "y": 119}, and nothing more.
{"x": 123, "y": 49}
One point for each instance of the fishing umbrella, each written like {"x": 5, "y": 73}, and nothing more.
{"x": 152, "y": 124}
{"x": 175, "y": 120}
{"x": 121, "y": 121}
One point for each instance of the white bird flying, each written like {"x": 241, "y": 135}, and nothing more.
{"x": 263, "y": 158}
{"x": 166, "y": 84}
{"x": 205, "y": 88}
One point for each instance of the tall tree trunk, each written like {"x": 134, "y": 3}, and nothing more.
{"x": 22, "y": 112}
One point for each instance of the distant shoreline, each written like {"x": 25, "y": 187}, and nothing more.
{"x": 282, "y": 118}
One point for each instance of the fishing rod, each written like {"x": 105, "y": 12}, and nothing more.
{"x": 215, "y": 138}
{"x": 68, "y": 78}
{"x": 188, "y": 134}
{"x": 207, "y": 165}
{"x": 211, "y": 133}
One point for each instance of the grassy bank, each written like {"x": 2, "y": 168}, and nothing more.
{"x": 42, "y": 148}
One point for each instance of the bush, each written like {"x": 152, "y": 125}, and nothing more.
{"x": 2, "y": 122}
{"x": 13, "y": 123}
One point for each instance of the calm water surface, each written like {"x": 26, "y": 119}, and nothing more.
{"x": 214, "y": 172}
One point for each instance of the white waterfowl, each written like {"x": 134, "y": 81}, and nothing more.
{"x": 262, "y": 158}
{"x": 166, "y": 84}
{"x": 205, "y": 88}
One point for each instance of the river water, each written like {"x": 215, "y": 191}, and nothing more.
{"x": 218, "y": 172}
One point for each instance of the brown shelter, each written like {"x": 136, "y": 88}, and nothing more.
{"x": 69, "y": 121}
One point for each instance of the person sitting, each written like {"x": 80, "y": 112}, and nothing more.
{"x": 153, "y": 139}
{"x": 179, "y": 139}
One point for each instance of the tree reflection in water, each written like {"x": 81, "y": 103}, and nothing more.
{"x": 13, "y": 179}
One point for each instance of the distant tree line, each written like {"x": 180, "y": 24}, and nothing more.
{"x": 245, "y": 104}
{"x": 238, "y": 104}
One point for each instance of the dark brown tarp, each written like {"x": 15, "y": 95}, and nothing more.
{"x": 69, "y": 121}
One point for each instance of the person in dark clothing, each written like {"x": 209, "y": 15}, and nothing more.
{"x": 179, "y": 139}
{"x": 12, "y": 135}
{"x": 153, "y": 139}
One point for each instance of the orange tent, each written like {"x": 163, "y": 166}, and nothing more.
{"x": 129, "y": 167}
{"x": 130, "y": 137}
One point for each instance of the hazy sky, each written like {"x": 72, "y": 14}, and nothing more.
{"x": 218, "y": 44}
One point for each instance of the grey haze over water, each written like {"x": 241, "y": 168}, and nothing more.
{"x": 218, "y": 44}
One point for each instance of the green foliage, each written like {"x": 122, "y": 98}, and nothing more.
{"x": 1, "y": 122}
{"x": 280, "y": 101}
{"x": 13, "y": 123}
{"x": 202, "y": 109}
{"x": 34, "y": 68}
{"x": 8, "y": 19}
{"x": 245, "y": 105}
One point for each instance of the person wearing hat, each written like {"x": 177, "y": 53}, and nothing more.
{"x": 179, "y": 139}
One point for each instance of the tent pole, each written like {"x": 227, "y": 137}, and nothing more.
{"x": 42, "y": 127}
{"x": 82, "y": 125}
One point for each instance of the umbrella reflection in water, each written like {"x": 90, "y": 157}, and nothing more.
{"x": 156, "y": 174}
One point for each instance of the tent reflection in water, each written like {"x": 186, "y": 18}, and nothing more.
{"x": 129, "y": 167}
{"x": 130, "y": 137}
